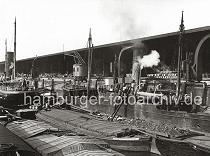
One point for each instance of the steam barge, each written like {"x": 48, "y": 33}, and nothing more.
{"x": 119, "y": 136}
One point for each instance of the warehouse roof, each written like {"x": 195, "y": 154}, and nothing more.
{"x": 189, "y": 31}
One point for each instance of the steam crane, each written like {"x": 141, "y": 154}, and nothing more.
{"x": 79, "y": 73}
{"x": 79, "y": 65}
{"x": 77, "y": 58}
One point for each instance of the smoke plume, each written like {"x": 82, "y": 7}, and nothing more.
{"x": 123, "y": 19}
{"x": 150, "y": 60}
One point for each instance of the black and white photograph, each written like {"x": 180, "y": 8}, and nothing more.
{"x": 104, "y": 78}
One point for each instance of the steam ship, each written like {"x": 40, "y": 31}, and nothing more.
{"x": 15, "y": 90}
{"x": 186, "y": 112}
{"x": 178, "y": 107}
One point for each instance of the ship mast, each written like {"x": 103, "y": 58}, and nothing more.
{"x": 114, "y": 71}
{"x": 14, "y": 57}
{"x": 90, "y": 46}
{"x": 6, "y": 57}
{"x": 181, "y": 33}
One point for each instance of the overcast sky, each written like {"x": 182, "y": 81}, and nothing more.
{"x": 48, "y": 26}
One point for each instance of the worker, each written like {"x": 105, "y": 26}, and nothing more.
{"x": 24, "y": 85}
{"x": 35, "y": 84}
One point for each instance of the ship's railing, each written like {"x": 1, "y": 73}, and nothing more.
{"x": 206, "y": 75}
{"x": 10, "y": 85}
{"x": 164, "y": 75}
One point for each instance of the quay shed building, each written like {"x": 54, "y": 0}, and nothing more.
{"x": 196, "y": 46}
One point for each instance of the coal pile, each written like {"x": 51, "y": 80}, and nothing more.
{"x": 161, "y": 128}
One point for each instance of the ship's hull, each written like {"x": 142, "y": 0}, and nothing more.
{"x": 129, "y": 144}
{"x": 15, "y": 100}
{"x": 175, "y": 147}
{"x": 172, "y": 147}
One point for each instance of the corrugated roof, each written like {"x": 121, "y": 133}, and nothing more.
{"x": 49, "y": 144}
{"x": 65, "y": 145}
{"x": 28, "y": 128}
{"x": 41, "y": 140}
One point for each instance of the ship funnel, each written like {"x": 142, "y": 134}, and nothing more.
{"x": 9, "y": 64}
{"x": 138, "y": 52}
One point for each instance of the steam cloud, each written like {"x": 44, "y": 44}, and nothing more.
{"x": 123, "y": 19}
{"x": 150, "y": 60}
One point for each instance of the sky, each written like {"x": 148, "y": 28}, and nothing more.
{"x": 51, "y": 26}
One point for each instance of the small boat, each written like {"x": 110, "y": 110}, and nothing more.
{"x": 174, "y": 147}
{"x": 200, "y": 144}
{"x": 135, "y": 144}
{"x": 27, "y": 113}
{"x": 190, "y": 146}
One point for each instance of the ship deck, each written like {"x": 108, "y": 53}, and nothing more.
{"x": 85, "y": 123}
